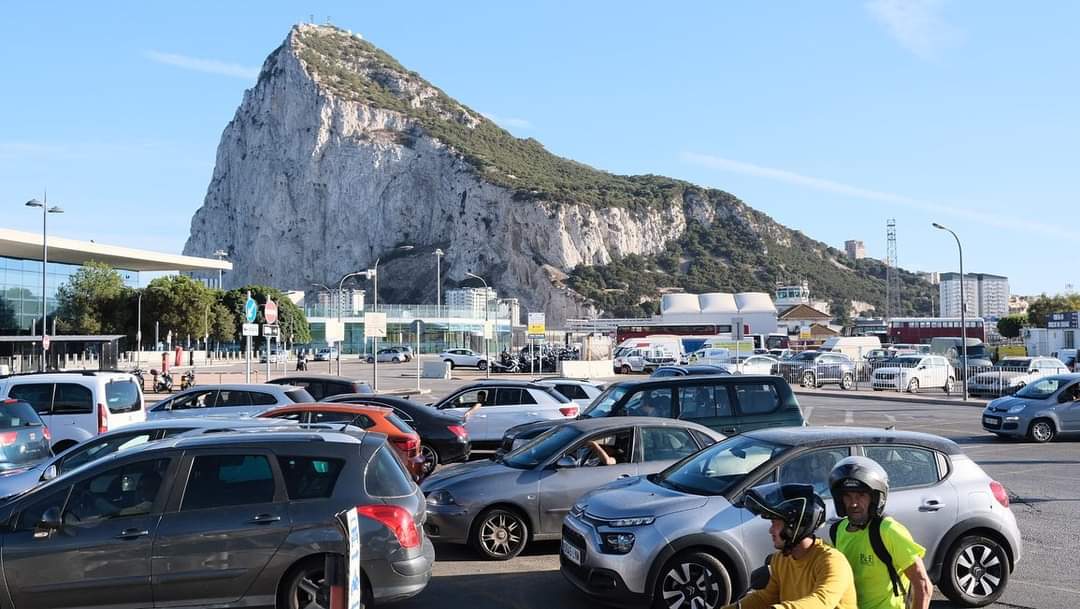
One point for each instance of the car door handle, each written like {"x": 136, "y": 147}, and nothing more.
{"x": 931, "y": 505}
{"x": 623, "y": 476}
{"x": 533, "y": 414}
{"x": 132, "y": 533}
{"x": 265, "y": 519}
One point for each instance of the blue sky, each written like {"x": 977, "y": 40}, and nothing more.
{"x": 829, "y": 116}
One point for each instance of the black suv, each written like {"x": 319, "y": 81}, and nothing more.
{"x": 730, "y": 404}
{"x": 245, "y": 518}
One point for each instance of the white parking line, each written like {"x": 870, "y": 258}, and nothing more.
{"x": 849, "y": 417}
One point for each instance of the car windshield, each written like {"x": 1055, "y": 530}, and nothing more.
{"x": 806, "y": 356}
{"x": 907, "y": 361}
{"x": 601, "y": 406}
{"x": 1010, "y": 362}
{"x": 717, "y": 468}
{"x": 1041, "y": 389}
{"x": 542, "y": 447}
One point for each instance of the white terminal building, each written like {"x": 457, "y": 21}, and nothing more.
{"x": 986, "y": 295}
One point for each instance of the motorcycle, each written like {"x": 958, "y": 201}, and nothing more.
{"x": 506, "y": 363}
{"x": 187, "y": 381}
{"x": 163, "y": 382}
{"x": 138, "y": 374}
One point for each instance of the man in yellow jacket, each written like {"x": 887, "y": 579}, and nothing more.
{"x": 805, "y": 573}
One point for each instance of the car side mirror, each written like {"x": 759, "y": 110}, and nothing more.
{"x": 50, "y": 472}
{"x": 566, "y": 462}
{"x": 50, "y": 521}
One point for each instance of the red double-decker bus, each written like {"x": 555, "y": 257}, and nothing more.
{"x": 921, "y": 330}
{"x": 771, "y": 341}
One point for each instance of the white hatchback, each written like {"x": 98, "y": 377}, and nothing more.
{"x": 77, "y": 406}
{"x": 580, "y": 391}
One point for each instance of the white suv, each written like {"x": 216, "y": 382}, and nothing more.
{"x": 582, "y": 392}
{"x": 504, "y": 404}
{"x": 463, "y": 358}
{"x": 77, "y": 406}
{"x": 914, "y": 372}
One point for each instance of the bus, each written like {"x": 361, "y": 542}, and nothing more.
{"x": 695, "y": 335}
{"x": 921, "y": 330}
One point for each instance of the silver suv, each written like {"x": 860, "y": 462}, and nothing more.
{"x": 634, "y": 541}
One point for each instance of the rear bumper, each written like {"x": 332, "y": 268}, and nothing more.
{"x": 452, "y": 451}
{"x": 400, "y": 579}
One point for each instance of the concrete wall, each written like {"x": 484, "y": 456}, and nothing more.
{"x": 591, "y": 369}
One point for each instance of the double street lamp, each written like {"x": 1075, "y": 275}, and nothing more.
{"x": 487, "y": 300}
{"x": 963, "y": 316}
{"x": 45, "y": 211}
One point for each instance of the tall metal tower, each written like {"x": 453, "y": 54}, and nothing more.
{"x": 892, "y": 272}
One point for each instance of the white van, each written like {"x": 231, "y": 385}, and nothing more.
{"x": 647, "y": 354}
{"x": 77, "y": 406}
{"x": 855, "y": 347}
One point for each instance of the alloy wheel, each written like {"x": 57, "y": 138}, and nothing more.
{"x": 978, "y": 570}
{"x": 913, "y": 386}
{"x": 690, "y": 585}
{"x": 309, "y": 591}
{"x": 431, "y": 460}
{"x": 1042, "y": 431}
{"x": 502, "y": 535}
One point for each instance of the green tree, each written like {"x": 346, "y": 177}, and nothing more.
{"x": 291, "y": 318}
{"x": 179, "y": 304}
{"x": 92, "y": 301}
{"x": 1039, "y": 310}
{"x": 1010, "y": 325}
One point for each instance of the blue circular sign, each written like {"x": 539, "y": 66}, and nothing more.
{"x": 251, "y": 309}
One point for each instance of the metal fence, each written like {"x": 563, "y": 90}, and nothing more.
{"x": 906, "y": 377}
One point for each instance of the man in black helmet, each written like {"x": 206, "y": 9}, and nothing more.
{"x": 805, "y": 573}
{"x": 886, "y": 561}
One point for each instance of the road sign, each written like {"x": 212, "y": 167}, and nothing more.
{"x": 738, "y": 332}
{"x": 269, "y": 330}
{"x": 374, "y": 325}
{"x": 45, "y": 342}
{"x": 335, "y": 331}
{"x": 250, "y": 330}
{"x": 489, "y": 330}
{"x": 270, "y": 311}
{"x": 536, "y": 325}
{"x": 251, "y": 309}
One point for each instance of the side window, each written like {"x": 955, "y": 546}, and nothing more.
{"x": 404, "y": 416}
{"x": 666, "y": 443}
{"x": 574, "y": 392}
{"x": 472, "y": 398}
{"x": 229, "y": 397}
{"x": 651, "y": 403}
{"x": 72, "y": 399}
{"x": 95, "y": 450}
{"x": 330, "y": 416}
{"x": 385, "y": 476}
{"x": 194, "y": 400}
{"x": 813, "y": 468}
{"x": 704, "y": 402}
{"x": 226, "y": 480}
{"x": 30, "y": 515}
{"x": 259, "y": 398}
{"x": 39, "y": 395}
{"x": 506, "y": 396}
{"x": 309, "y": 477}
{"x": 616, "y": 445}
{"x": 290, "y": 416}
{"x": 907, "y": 466}
{"x": 703, "y": 439}
{"x": 129, "y": 490}
{"x": 756, "y": 398}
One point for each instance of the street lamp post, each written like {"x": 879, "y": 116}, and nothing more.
{"x": 220, "y": 256}
{"x": 487, "y": 300}
{"x": 963, "y": 313}
{"x": 438, "y": 278}
{"x": 138, "y": 332}
{"x": 330, "y": 292}
{"x": 45, "y": 211}
{"x": 341, "y": 286}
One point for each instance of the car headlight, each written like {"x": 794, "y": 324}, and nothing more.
{"x": 631, "y": 522}
{"x": 1017, "y": 408}
{"x": 440, "y": 497}
{"x": 618, "y": 543}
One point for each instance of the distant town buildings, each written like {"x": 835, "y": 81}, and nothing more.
{"x": 470, "y": 299}
{"x": 931, "y": 277}
{"x": 1018, "y": 305}
{"x": 855, "y": 249}
{"x": 986, "y": 295}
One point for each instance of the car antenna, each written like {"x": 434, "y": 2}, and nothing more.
{"x": 891, "y": 427}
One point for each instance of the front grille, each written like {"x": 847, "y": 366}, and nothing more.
{"x": 992, "y": 422}
{"x": 573, "y": 537}
{"x": 884, "y": 376}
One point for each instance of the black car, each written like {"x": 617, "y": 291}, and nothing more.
{"x": 24, "y": 438}
{"x": 321, "y": 386}
{"x": 230, "y": 519}
{"x": 730, "y": 404}
{"x": 690, "y": 370}
{"x": 443, "y": 438}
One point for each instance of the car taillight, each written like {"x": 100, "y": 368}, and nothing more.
{"x": 102, "y": 419}
{"x": 406, "y": 444}
{"x": 45, "y": 432}
{"x": 568, "y": 411}
{"x": 9, "y": 438}
{"x": 1000, "y": 493}
{"x": 459, "y": 431}
{"x": 395, "y": 518}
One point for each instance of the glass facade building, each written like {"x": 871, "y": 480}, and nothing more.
{"x": 20, "y": 291}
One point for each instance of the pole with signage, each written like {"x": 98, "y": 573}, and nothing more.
{"x": 251, "y": 308}
{"x": 270, "y": 313}
{"x": 375, "y": 328}
{"x": 737, "y": 334}
{"x": 536, "y": 330}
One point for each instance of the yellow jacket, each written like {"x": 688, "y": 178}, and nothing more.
{"x": 820, "y": 580}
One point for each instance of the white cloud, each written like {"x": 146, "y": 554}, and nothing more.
{"x": 988, "y": 218}
{"x": 918, "y": 25}
{"x": 508, "y": 121}
{"x": 211, "y": 66}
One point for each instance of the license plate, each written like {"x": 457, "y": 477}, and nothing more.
{"x": 572, "y": 553}
{"x": 991, "y": 421}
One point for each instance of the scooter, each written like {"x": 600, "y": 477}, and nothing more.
{"x": 163, "y": 382}
{"x": 187, "y": 381}
{"x": 506, "y": 364}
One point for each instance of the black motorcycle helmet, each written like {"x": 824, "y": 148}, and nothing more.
{"x": 801, "y": 509}
{"x": 859, "y": 474}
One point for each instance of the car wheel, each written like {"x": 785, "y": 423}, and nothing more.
{"x": 1042, "y": 431}
{"x": 976, "y": 571}
{"x": 451, "y": 362}
{"x": 305, "y": 588}
{"x": 913, "y": 386}
{"x": 500, "y": 534}
{"x": 431, "y": 460}
{"x": 808, "y": 380}
{"x": 624, "y": 370}
{"x": 847, "y": 382}
{"x": 481, "y": 365}
{"x": 693, "y": 579}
